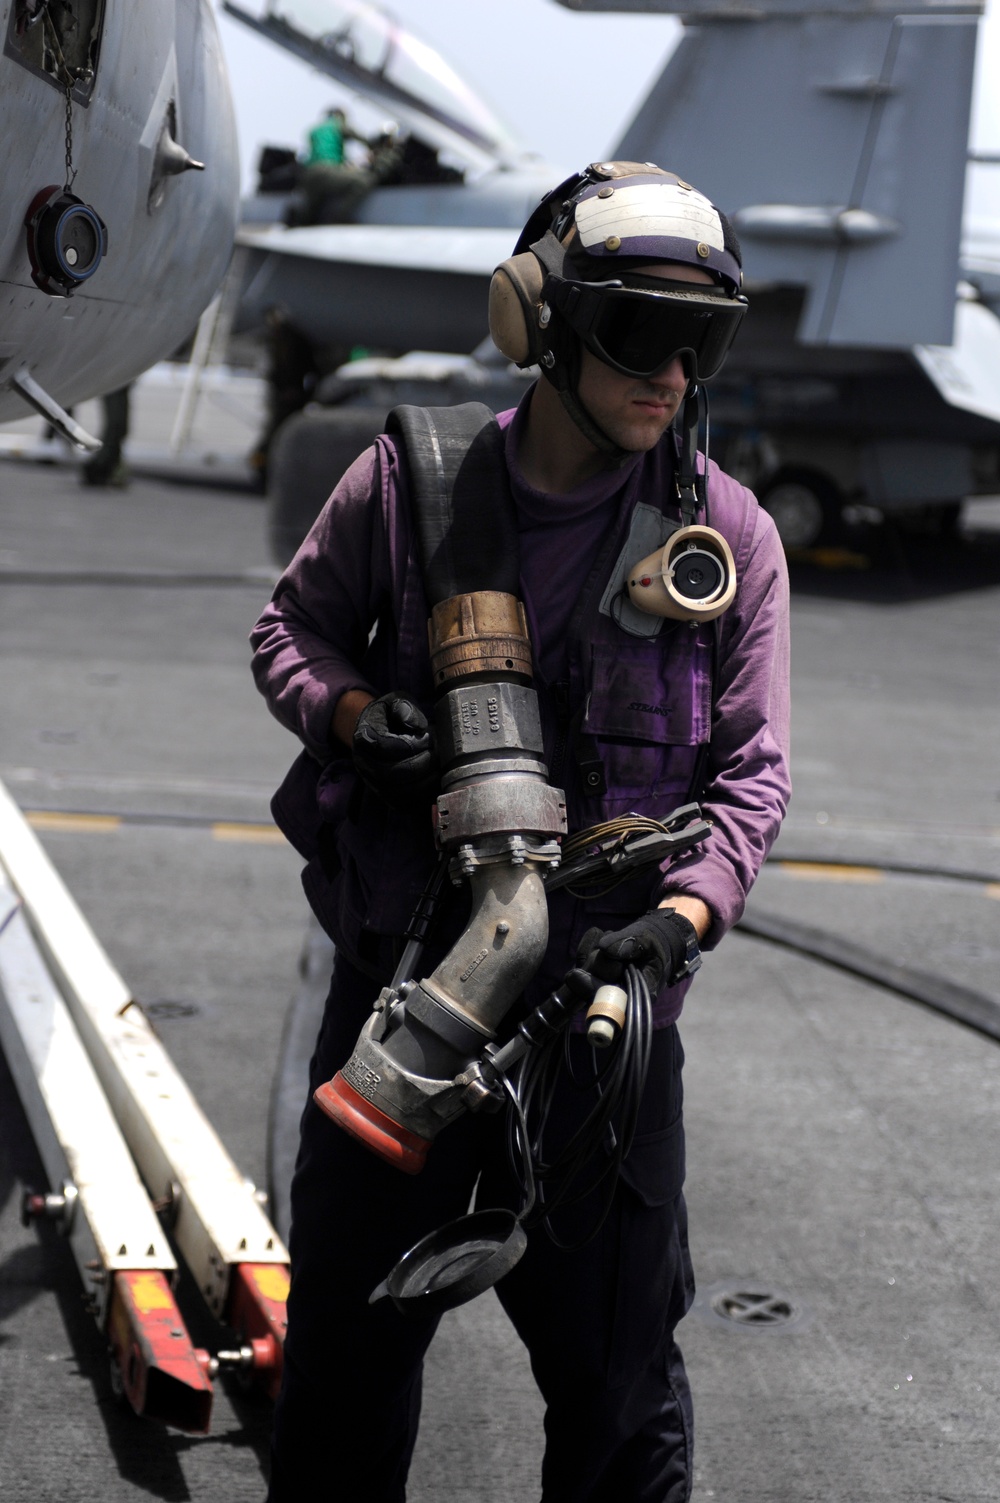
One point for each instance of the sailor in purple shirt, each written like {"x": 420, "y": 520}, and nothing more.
{"x": 592, "y": 462}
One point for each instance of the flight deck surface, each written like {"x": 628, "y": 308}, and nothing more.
{"x": 843, "y": 1142}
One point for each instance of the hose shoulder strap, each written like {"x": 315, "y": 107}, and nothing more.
{"x": 462, "y": 504}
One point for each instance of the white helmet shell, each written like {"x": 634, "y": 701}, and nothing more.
{"x": 655, "y": 217}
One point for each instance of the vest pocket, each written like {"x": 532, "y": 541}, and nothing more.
{"x": 651, "y": 691}
{"x": 388, "y": 856}
{"x": 648, "y": 707}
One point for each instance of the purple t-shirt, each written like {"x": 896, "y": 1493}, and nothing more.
{"x": 559, "y": 537}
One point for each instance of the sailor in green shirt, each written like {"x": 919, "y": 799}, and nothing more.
{"x": 326, "y": 140}
{"x": 331, "y": 187}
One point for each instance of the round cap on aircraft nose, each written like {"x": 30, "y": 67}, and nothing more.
{"x": 67, "y": 241}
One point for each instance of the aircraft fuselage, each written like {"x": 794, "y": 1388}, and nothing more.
{"x": 158, "y": 81}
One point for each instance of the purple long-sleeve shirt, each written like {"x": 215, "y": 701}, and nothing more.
{"x": 355, "y": 568}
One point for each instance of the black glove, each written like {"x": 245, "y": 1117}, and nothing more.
{"x": 393, "y": 749}
{"x": 663, "y": 944}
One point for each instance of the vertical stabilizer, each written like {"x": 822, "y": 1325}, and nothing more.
{"x": 836, "y": 136}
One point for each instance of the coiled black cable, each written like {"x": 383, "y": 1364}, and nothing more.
{"x": 591, "y": 1158}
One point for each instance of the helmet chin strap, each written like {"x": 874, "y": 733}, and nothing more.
{"x": 561, "y": 360}
{"x": 691, "y": 490}
{"x": 591, "y": 430}
{"x": 564, "y": 374}
{"x": 560, "y": 366}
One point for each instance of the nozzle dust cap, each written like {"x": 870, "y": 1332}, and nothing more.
{"x": 455, "y": 1263}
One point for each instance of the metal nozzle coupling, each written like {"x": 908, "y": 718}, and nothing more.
{"x": 485, "y": 632}
{"x": 499, "y": 821}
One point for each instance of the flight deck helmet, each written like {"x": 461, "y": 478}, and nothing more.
{"x": 576, "y": 277}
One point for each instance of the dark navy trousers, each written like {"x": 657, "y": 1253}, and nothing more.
{"x": 598, "y": 1322}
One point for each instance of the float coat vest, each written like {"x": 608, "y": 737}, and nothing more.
{"x": 623, "y": 731}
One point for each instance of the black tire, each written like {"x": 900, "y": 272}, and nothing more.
{"x": 948, "y": 517}
{"x": 309, "y": 453}
{"x": 806, "y": 507}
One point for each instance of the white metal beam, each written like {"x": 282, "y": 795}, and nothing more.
{"x": 111, "y": 1225}
{"x": 218, "y": 1223}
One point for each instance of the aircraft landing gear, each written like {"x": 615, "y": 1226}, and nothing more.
{"x": 806, "y": 508}
{"x": 309, "y": 454}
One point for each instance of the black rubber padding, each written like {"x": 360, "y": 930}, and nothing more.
{"x": 463, "y": 507}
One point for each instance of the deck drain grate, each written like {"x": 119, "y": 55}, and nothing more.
{"x": 753, "y": 1307}
{"x": 166, "y": 1009}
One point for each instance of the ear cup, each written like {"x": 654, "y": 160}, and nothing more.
{"x": 692, "y": 578}
{"x": 515, "y": 296}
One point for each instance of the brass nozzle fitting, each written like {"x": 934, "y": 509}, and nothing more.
{"x": 485, "y": 632}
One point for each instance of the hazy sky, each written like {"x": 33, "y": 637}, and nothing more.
{"x": 565, "y": 82}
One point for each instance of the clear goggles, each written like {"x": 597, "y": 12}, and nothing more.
{"x": 639, "y": 331}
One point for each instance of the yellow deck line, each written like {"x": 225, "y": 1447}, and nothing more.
{"x": 823, "y": 871}
{"x": 92, "y": 824}
{"x": 260, "y": 834}
{"x": 102, "y": 824}
{"x": 268, "y": 834}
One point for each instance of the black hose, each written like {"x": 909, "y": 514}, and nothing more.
{"x": 593, "y": 1155}
{"x": 897, "y": 868}
{"x": 463, "y": 509}
{"x": 974, "y": 1009}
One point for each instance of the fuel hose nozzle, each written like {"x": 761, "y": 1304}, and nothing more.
{"x": 498, "y": 822}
